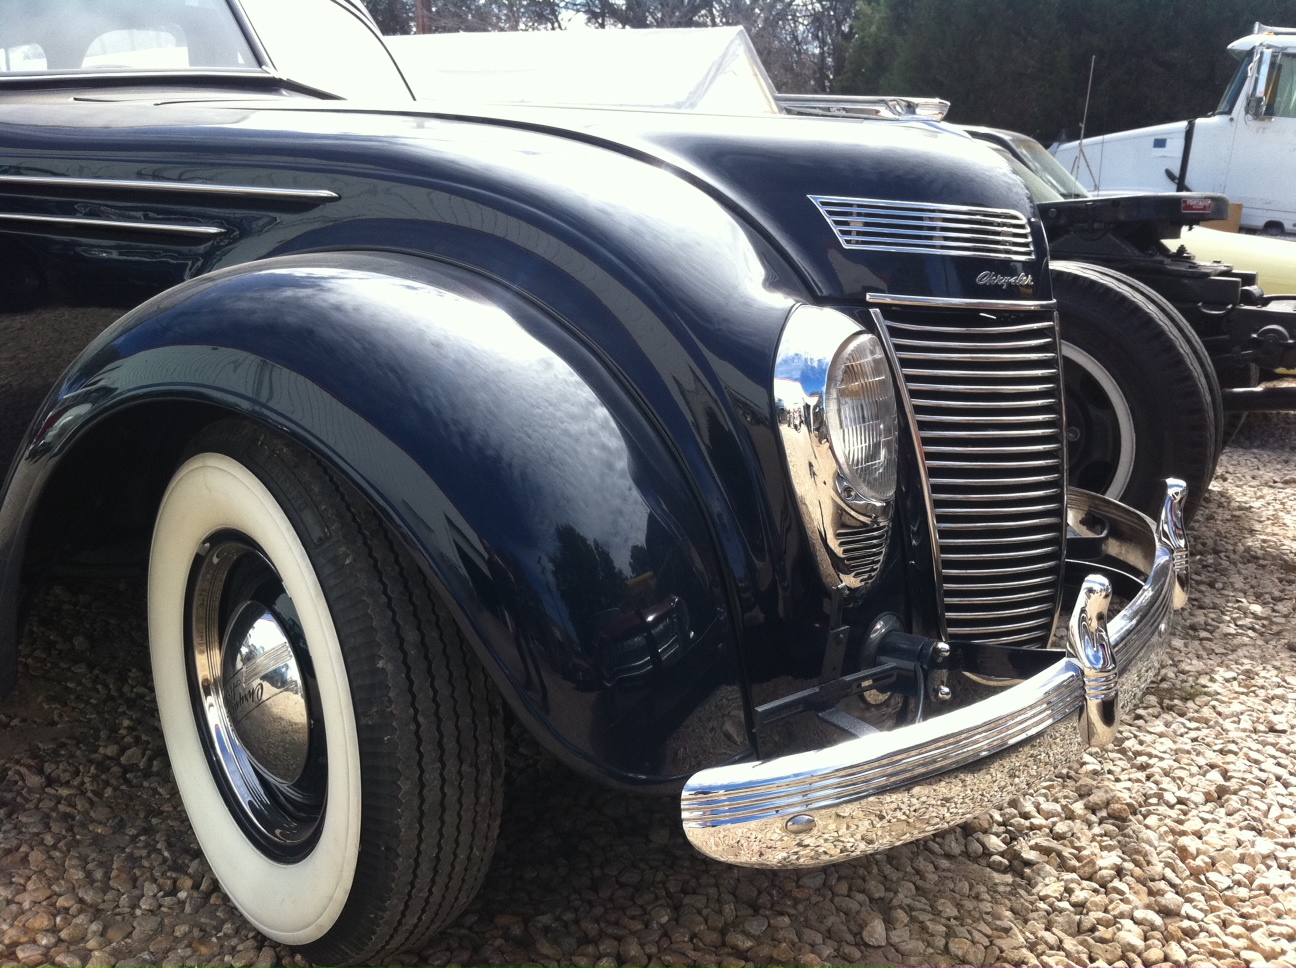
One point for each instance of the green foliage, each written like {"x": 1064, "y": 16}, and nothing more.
{"x": 1024, "y": 64}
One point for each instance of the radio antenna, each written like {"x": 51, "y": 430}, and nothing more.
{"x": 1080, "y": 152}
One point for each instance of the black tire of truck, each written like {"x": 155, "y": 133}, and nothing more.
{"x": 1190, "y": 337}
{"x": 1138, "y": 401}
{"x": 337, "y": 746}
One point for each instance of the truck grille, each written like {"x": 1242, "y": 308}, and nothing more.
{"x": 925, "y": 229}
{"x": 986, "y": 395}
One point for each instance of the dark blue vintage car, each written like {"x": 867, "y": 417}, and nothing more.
{"x": 727, "y": 455}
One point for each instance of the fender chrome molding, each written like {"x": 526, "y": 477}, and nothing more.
{"x": 110, "y": 225}
{"x": 874, "y": 792}
{"x": 9, "y": 183}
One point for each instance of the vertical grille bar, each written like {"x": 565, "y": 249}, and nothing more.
{"x": 986, "y": 394}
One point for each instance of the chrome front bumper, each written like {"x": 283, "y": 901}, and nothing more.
{"x": 871, "y": 793}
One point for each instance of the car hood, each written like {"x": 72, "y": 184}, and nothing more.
{"x": 765, "y": 170}
{"x": 768, "y": 168}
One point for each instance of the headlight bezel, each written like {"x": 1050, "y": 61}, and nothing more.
{"x": 847, "y": 521}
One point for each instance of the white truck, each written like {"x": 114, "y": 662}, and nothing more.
{"x": 1245, "y": 150}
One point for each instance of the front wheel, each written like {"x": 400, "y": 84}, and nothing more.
{"x": 336, "y": 746}
{"x": 1139, "y": 406}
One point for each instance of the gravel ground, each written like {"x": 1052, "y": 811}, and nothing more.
{"x": 1176, "y": 846}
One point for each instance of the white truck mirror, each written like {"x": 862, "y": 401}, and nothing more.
{"x": 1258, "y": 94}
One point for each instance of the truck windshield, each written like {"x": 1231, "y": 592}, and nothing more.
{"x": 1229, "y": 100}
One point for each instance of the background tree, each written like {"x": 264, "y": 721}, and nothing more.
{"x": 802, "y": 43}
{"x": 393, "y": 16}
{"x": 1021, "y": 64}
{"x": 451, "y": 16}
{"x": 1024, "y": 64}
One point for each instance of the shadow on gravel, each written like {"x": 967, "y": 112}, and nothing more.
{"x": 98, "y": 865}
{"x": 1263, "y": 431}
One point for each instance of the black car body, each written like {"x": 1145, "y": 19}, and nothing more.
{"x": 728, "y": 452}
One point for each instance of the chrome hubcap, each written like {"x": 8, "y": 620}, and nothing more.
{"x": 1100, "y": 425}
{"x": 254, "y": 696}
{"x": 263, "y": 695}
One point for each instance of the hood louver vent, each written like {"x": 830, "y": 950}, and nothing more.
{"x": 923, "y": 229}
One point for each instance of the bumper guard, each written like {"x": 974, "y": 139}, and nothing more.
{"x": 872, "y": 793}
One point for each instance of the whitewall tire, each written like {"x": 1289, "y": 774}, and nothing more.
{"x": 290, "y": 902}
{"x": 337, "y": 746}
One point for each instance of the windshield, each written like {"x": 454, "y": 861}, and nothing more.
{"x": 1036, "y": 157}
{"x": 1040, "y": 190}
{"x": 61, "y": 36}
{"x": 1234, "y": 89}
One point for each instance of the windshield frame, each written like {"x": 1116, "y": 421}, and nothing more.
{"x": 356, "y": 13}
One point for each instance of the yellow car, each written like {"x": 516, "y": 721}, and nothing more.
{"x": 1272, "y": 259}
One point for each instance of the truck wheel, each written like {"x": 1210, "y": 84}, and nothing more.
{"x": 337, "y": 747}
{"x": 1138, "y": 401}
{"x": 1190, "y": 337}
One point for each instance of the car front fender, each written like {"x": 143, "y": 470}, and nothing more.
{"x": 538, "y": 493}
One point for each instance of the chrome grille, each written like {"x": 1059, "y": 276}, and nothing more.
{"x": 924, "y": 229}
{"x": 985, "y": 389}
{"x": 862, "y": 550}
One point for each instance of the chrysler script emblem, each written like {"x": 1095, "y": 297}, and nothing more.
{"x": 1023, "y": 279}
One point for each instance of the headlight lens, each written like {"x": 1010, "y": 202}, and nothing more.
{"x": 860, "y": 415}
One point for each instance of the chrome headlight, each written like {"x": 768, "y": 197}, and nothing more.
{"x": 860, "y": 417}
{"x": 834, "y": 398}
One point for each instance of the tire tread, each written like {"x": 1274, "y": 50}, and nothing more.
{"x": 1115, "y": 321}
{"x": 424, "y": 850}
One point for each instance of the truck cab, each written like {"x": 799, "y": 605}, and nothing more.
{"x": 1243, "y": 149}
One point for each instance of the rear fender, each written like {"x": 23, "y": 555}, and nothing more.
{"x": 536, "y": 491}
